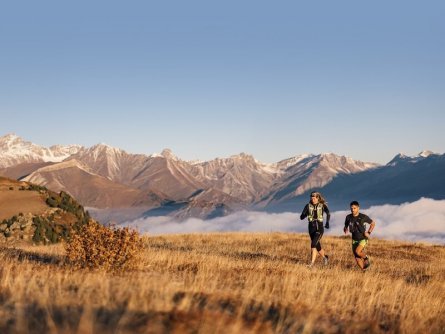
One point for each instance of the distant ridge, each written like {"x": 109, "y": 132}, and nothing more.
{"x": 105, "y": 177}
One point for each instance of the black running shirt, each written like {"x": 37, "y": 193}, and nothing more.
{"x": 357, "y": 226}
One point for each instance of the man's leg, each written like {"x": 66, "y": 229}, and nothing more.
{"x": 360, "y": 262}
{"x": 360, "y": 255}
{"x": 355, "y": 245}
{"x": 359, "y": 251}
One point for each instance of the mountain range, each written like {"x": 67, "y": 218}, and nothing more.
{"x": 108, "y": 179}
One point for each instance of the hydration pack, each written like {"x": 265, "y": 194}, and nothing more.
{"x": 357, "y": 226}
{"x": 312, "y": 208}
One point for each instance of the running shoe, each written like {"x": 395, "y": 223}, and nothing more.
{"x": 366, "y": 263}
{"x": 326, "y": 260}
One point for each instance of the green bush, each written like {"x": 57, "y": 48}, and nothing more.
{"x": 65, "y": 202}
{"x": 52, "y": 202}
{"x": 11, "y": 220}
{"x": 35, "y": 187}
{"x": 47, "y": 231}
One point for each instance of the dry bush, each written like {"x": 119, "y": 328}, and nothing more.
{"x": 95, "y": 246}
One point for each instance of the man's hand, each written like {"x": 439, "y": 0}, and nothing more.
{"x": 326, "y": 225}
{"x": 367, "y": 235}
{"x": 345, "y": 230}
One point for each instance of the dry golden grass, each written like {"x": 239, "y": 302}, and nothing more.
{"x": 228, "y": 283}
{"x": 14, "y": 201}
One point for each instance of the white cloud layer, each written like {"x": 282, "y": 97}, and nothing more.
{"x": 423, "y": 220}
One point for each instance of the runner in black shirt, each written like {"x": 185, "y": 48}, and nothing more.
{"x": 314, "y": 211}
{"x": 355, "y": 223}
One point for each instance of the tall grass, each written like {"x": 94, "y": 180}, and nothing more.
{"x": 228, "y": 283}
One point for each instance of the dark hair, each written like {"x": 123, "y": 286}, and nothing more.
{"x": 354, "y": 203}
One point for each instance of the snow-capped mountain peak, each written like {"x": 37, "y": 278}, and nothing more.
{"x": 60, "y": 150}
{"x": 286, "y": 163}
{"x": 401, "y": 157}
{"x": 10, "y": 138}
{"x": 14, "y": 150}
{"x": 243, "y": 155}
{"x": 101, "y": 149}
{"x": 168, "y": 154}
{"x": 425, "y": 153}
{"x": 344, "y": 164}
{"x": 10, "y": 141}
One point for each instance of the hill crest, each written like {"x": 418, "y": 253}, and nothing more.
{"x": 32, "y": 213}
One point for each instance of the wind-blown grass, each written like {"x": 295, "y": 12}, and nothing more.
{"x": 228, "y": 283}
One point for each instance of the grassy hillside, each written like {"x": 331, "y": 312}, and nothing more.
{"x": 14, "y": 200}
{"x": 31, "y": 213}
{"x": 228, "y": 283}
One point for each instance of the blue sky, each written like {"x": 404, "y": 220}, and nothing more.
{"x": 211, "y": 79}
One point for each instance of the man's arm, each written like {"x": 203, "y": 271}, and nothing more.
{"x": 345, "y": 229}
{"x": 371, "y": 228}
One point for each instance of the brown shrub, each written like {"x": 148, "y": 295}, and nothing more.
{"x": 95, "y": 246}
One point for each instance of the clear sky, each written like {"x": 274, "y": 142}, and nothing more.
{"x": 210, "y": 79}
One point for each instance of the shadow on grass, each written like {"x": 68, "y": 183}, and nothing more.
{"x": 23, "y": 255}
{"x": 203, "y": 310}
{"x": 77, "y": 318}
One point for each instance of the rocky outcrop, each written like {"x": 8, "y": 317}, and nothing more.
{"x": 23, "y": 227}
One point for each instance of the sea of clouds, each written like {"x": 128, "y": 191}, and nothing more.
{"x": 420, "y": 221}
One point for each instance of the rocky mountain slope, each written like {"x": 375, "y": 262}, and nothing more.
{"x": 105, "y": 177}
